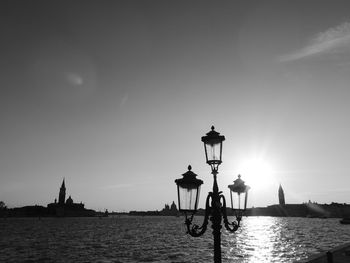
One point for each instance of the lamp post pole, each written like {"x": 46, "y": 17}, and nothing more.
{"x": 216, "y": 219}
{"x": 188, "y": 189}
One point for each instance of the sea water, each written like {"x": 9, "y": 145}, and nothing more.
{"x": 164, "y": 239}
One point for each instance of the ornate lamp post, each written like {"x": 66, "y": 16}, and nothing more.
{"x": 215, "y": 205}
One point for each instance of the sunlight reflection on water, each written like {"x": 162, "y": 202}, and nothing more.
{"x": 273, "y": 239}
{"x": 163, "y": 239}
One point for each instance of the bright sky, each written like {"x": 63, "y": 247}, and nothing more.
{"x": 114, "y": 96}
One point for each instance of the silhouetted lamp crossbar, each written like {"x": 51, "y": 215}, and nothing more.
{"x": 188, "y": 190}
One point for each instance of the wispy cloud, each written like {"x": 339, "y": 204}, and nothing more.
{"x": 74, "y": 79}
{"x": 334, "y": 41}
{"x": 116, "y": 186}
{"x": 124, "y": 100}
{"x": 123, "y": 185}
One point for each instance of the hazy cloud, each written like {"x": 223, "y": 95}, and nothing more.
{"x": 334, "y": 41}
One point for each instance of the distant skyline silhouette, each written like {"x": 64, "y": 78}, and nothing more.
{"x": 115, "y": 96}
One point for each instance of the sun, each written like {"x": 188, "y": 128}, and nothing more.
{"x": 257, "y": 173}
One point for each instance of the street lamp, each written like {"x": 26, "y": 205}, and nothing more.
{"x": 215, "y": 205}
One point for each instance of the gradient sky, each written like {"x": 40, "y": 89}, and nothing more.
{"x": 114, "y": 96}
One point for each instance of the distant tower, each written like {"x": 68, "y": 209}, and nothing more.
{"x": 281, "y": 195}
{"x": 62, "y": 195}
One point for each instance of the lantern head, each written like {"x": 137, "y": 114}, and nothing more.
{"x": 213, "y": 148}
{"x": 239, "y": 195}
{"x": 188, "y": 189}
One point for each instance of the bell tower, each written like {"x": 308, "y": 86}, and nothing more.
{"x": 281, "y": 195}
{"x": 62, "y": 195}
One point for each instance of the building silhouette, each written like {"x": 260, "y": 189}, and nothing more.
{"x": 166, "y": 211}
{"x": 67, "y": 207}
{"x": 170, "y": 210}
{"x": 281, "y": 196}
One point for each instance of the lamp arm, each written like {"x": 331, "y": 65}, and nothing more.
{"x": 195, "y": 230}
{"x": 232, "y": 227}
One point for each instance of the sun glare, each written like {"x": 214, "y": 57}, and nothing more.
{"x": 257, "y": 173}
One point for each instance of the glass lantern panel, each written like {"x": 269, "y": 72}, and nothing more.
{"x": 238, "y": 201}
{"x": 213, "y": 151}
{"x": 188, "y": 198}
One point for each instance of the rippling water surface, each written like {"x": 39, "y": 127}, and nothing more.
{"x": 163, "y": 239}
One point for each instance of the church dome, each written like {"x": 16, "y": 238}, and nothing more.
{"x": 69, "y": 200}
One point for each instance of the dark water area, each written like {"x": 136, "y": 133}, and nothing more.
{"x": 164, "y": 239}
